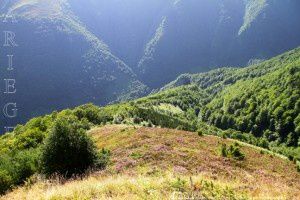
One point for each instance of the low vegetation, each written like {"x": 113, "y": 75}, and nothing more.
{"x": 122, "y": 187}
{"x": 157, "y": 163}
{"x": 232, "y": 151}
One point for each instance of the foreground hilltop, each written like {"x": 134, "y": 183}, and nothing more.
{"x": 153, "y": 163}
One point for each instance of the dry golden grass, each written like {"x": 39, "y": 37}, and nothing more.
{"x": 147, "y": 162}
{"x": 125, "y": 187}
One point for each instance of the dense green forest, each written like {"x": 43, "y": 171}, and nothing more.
{"x": 259, "y": 104}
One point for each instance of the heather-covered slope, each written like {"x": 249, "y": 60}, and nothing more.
{"x": 154, "y": 163}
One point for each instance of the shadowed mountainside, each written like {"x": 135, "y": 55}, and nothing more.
{"x": 73, "y": 52}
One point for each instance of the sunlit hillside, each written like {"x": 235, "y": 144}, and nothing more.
{"x": 152, "y": 163}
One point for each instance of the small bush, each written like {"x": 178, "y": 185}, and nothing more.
{"x": 235, "y": 152}
{"x": 223, "y": 135}
{"x": 91, "y": 113}
{"x": 200, "y": 133}
{"x": 298, "y": 166}
{"x": 68, "y": 150}
{"x": 263, "y": 142}
{"x": 290, "y": 157}
{"x": 232, "y": 151}
{"x": 136, "y": 155}
{"x": 150, "y": 124}
{"x": 179, "y": 184}
{"x": 224, "y": 150}
{"x": 102, "y": 158}
{"x": 118, "y": 119}
{"x": 5, "y": 181}
{"x": 136, "y": 120}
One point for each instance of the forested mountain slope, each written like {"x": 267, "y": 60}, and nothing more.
{"x": 196, "y": 36}
{"x": 74, "y": 52}
{"x": 261, "y": 99}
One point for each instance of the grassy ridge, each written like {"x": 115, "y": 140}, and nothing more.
{"x": 154, "y": 163}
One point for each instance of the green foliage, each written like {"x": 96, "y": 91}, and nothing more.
{"x": 20, "y": 151}
{"x": 30, "y": 138}
{"x": 68, "y": 150}
{"x": 224, "y": 150}
{"x": 179, "y": 184}
{"x": 297, "y": 165}
{"x": 262, "y": 100}
{"x": 16, "y": 167}
{"x": 136, "y": 155}
{"x": 259, "y": 104}
{"x": 5, "y": 181}
{"x": 25, "y": 164}
{"x": 268, "y": 106}
{"x": 199, "y": 132}
{"x": 92, "y": 114}
{"x": 233, "y": 151}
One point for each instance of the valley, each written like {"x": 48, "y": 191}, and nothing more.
{"x": 160, "y": 99}
{"x": 122, "y": 51}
